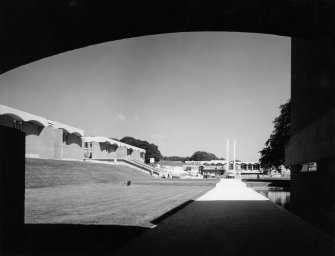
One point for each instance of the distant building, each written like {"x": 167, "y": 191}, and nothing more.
{"x": 219, "y": 167}
{"x": 103, "y": 148}
{"x": 53, "y": 140}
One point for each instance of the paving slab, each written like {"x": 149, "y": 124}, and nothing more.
{"x": 231, "y": 219}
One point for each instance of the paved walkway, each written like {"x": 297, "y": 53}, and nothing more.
{"x": 231, "y": 219}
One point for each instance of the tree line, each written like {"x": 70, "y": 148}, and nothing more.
{"x": 272, "y": 155}
{"x": 196, "y": 156}
{"x": 152, "y": 151}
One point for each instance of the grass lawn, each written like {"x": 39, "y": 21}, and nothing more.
{"x": 105, "y": 203}
{"x": 86, "y": 193}
{"x": 47, "y": 173}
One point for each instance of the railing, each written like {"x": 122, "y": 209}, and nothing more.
{"x": 161, "y": 172}
{"x": 152, "y": 170}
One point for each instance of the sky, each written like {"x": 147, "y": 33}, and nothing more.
{"x": 182, "y": 91}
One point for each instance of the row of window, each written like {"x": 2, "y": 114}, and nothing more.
{"x": 89, "y": 145}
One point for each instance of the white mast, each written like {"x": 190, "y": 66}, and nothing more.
{"x": 234, "y": 156}
{"x": 227, "y": 155}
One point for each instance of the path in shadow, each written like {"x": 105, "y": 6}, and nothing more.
{"x": 64, "y": 239}
{"x": 171, "y": 212}
{"x": 232, "y": 228}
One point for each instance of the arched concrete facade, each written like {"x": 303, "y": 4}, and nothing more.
{"x": 103, "y": 148}
{"x": 44, "y": 138}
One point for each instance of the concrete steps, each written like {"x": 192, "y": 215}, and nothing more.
{"x": 151, "y": 170}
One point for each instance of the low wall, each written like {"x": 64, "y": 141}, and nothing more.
{"x": 280, "y": 183}
{"x": 178, "y": 182}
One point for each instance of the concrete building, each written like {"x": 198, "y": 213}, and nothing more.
{"x": 44, "y": 138}
{"x": 103, "y": 148}
{"x": 53, "y": 140}
{"x": 219, "y": 166}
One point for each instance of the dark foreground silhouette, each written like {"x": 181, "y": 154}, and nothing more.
{"x": 59, "y": 239}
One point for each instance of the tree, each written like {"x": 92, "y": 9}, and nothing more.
{"x": 203, "y": 156}
{"x": 151, "y": 149}
{"x": 274, "y": 152}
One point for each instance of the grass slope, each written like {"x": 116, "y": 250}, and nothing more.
{"x": 105, "y": 203}
{"x": 72, "y": 192}
{"x": 48, "y": 173}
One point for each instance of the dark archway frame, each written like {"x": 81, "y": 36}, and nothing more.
{"x": 35, "y": 29}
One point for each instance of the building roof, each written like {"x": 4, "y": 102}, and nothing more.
{"x": 111, "y": 141}
{"x": 22, "y": 116}
{"x": 69, "y": 129}
{"x": 37, "y": 120}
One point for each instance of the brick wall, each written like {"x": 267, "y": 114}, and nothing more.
{"x": 47, "y": 142}
{"x": 42, "y": 142}
{"x": 32, "y": 139}
{"x": 315, "y": 141}
{"x": 99, "y": 150}
{"x": 73, "y": 147}
{"x": 313, "y": 131}
{"x": 121, "y": 152}
{"x": 58, "y": 144}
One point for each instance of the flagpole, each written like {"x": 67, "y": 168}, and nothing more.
{"x": 227, "y": 155}
{"x": 234, "y": 166}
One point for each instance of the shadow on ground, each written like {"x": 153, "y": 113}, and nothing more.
{"x": 232, "y": 228}
{"x": 59, "y": 239}
{"x": 216, "y": 227}
{"x": 69, "y": 239}
{"x": 171, "y": 212}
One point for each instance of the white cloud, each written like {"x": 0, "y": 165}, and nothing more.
{"x": 121, "y": 117}
{"x": 136, "y": 117}
{"x": 160, "y": 136}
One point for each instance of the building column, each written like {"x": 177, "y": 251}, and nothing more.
{"x": 12, "y": 187}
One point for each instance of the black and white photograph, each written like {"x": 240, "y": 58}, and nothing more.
{"x": 163, "y": 127}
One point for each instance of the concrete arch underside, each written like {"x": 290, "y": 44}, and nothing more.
{"x": 37, "y": 29}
